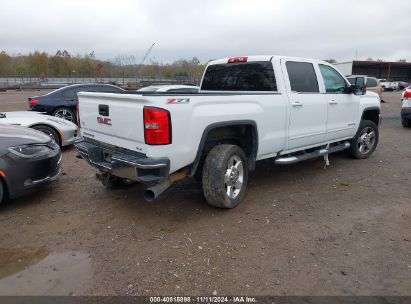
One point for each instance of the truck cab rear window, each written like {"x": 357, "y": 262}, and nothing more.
{"x": 302, "y": 77}
{"x": 243, "y": 76}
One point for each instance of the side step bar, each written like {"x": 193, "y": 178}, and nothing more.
{"x": 287, "y": 160}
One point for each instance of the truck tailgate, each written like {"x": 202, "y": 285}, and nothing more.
{"x": 113, "y": 118}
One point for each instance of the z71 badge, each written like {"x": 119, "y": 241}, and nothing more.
{"x": 178, "y": 100}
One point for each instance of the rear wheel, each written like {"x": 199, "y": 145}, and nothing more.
{"x": 406, "y": 123}
{"x": 225, "y": 175}
{"x": 365, "y": 141}
{"x": 49, "y": 132}
{"x": 1, "y": 191}
{"x": 66, "y": 114}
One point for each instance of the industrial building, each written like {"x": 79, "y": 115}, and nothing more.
{"x": 392, "y": 71}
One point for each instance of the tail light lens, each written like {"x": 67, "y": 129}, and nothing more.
{"x": 157, "y": 126}
{"x": 407, "y": 95}
{"x": 33, "y": 102}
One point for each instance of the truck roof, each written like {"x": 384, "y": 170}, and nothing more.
{"x": 260, "y": 58}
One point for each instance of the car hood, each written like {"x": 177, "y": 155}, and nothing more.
{"x": 22, "y": 114}
{"x": 28, "y": 118}
{"x": 14, "y": 136}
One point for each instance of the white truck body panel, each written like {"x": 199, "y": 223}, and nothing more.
{"x": 286, "y": 121}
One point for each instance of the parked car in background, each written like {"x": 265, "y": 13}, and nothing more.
{"x": 371, "y": 83}
{"x": 406, "y": 108}
{"x": 170, "y": 89}
{"x": 388, "y": 85}
{"x": 63, "y": 132}
{"x": 402, "y": 85}
{"x": 28, "y": 160}
{"x": 62, "y": 102}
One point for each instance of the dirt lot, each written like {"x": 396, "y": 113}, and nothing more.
{"x": 301, "y": 230}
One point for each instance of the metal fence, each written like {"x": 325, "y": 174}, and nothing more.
{"x": 16, "y": 82}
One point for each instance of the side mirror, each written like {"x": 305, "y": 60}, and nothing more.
{"x": 359, "y": 86}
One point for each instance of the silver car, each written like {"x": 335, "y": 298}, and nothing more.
{"x": 63, "y": 132}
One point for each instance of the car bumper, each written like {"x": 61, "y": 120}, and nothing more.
{"x": 406, "y": 113}
{"x": 123, "y": 163}
{"x": 26, "y": 175}
{"x": 69, "y": 137}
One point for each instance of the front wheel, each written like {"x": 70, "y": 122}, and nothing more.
{"x": 50, "y": 132}
{"x": 225, "y": 175}
{"x": 365, "y": 141}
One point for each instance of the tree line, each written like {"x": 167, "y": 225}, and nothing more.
{"x": 63, "y": 64}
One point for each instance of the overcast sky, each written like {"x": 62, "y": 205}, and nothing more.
{"x": 209, "y": 29}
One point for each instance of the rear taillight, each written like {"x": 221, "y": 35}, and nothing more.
{"x": 33, "y": 102}
{"x": 157, "y": 126}
{"x": 77, "y": 114}
{"x": 407, "y": 95}
{"x": 237, "y": 59}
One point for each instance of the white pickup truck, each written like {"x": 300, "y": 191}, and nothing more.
{"x": 388, "y": 85}
{"x": 248, "y": 109}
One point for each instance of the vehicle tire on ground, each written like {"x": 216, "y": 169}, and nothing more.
{"x": 1, "y": 191}
{"x": 66, "y": 114}
{"x": 52, "y": 133}
{"x": 365, "y": 140}
{"x": 406, "y": 123}
{"x": 225, "y": 175}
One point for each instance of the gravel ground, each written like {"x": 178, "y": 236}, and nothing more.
{"x": 301, "y": 230}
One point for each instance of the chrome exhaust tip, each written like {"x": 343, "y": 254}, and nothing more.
{"x": 151, "y": 193}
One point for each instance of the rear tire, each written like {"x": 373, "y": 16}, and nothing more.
{"x": 225, "y": 175}
{"x": 1, "y": 191}
{"x": 66, "y": 114}
{"x": 406, "y": 123}
{"x": 365, "y": 141}
{"x": 49, "y": 132}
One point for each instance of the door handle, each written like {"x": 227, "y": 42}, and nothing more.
{"x": 297, "y": 104}
{"x": 333, "y": 102}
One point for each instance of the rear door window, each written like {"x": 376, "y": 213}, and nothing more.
{"x": 372, "y": 82}
{"x": 243, "y": 76}
{"x": 302, "y": 77}
{"x": 69, "y": 94}
{"x": 107, "y": 89}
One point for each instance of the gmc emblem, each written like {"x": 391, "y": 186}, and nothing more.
{"x": 104, "y": 120}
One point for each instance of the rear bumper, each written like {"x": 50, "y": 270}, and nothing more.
{"x": 69, "y": 137}
{"x": 123, "y": 163}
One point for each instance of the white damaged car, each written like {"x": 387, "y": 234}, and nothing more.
{"x": 62, "y": 131}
